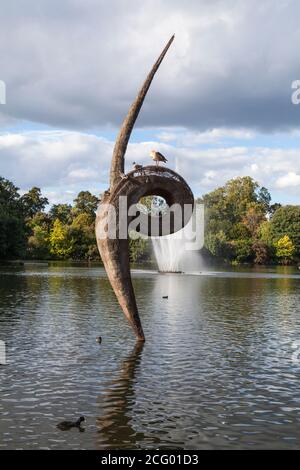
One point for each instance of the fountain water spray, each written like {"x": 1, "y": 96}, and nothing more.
{"x": 171, "y": 253}
{"x": 168, "y": 252}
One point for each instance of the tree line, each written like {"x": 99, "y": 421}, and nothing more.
{"x": 28, "y": 231}
{"x": 241, "y": 226}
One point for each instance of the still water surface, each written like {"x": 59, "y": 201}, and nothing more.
{"x": 219, "y": 368}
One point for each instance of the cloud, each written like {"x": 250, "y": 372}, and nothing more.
{"x": 216, "y": 135}
{"x": 63, "y": 163}
{"x": 291, "y": 179}
{"x": 78, "y": 65}
{"x": 57, "y": 161}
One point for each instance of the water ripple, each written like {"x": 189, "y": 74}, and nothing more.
{"x": 215, "y": 372}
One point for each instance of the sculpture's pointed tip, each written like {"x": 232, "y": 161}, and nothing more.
{"x": 169, "y": 43}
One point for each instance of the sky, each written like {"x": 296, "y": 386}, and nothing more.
{"x": 219, "y": 107}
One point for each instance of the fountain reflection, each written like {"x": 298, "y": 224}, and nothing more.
{"x": 115, "y": 427}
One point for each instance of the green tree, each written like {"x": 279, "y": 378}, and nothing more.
{"x": 139, "y": 250}
{"x": 286, "y": 221}
{"x": 229, "y": 204}
{"x": 261, "y": 252}
{"x": 240, "y": 192}
{"x": 234, "y": 213}
{"x": 61, "y": 242}
{"x": 82, "y": 231}
{"x": 62, "y": 212}
{"x": 9, "y": 196}
{"x": 238, "y": 230}
{"x": 40, "y": 219}
{"x": 243, "y": 251}
{"x": 218, "y": 245}
{"x": 264, "y": 198}
{"x": 274, "y": 207}
{"x": 33, "y": 202}
{"x": 38, "y": 244}
{"x": 12, "y": 224}
{"x": 12, "y": 236}
{"x": 86, "y": 203}
{"x": 265, "y": 233}
{"x": 253, "y": 218}
{"x": 284, "y": 249}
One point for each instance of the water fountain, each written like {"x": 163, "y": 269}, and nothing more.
{"x": 168, "y": 252}
{"x": 172, "y": 255}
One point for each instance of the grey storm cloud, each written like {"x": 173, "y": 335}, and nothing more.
{"x": 78, "y": 63}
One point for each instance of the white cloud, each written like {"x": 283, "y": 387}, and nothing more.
{"x": 55, "y": 161}
{"x": 78, "y": 65}
{"x": 63, "y": 163}
{"x": 211, "y": 136}
{"x": 11, "y": 140}
{"x": 83, "y": 174}
{"x": 291, "y": 179}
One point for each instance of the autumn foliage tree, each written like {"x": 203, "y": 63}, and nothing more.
{"x": 285, "y": 249}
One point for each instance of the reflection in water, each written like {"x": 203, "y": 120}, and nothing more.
{"x": 216, "y": 371}
{"x": 115, "y": 426}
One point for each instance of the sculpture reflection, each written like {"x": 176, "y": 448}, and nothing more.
{"x": 115, "y": 426}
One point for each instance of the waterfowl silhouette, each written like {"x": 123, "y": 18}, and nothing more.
{"x": 67, "y": 425}
{"x": 99, "y": 339}
{"x": 165, "y": 297}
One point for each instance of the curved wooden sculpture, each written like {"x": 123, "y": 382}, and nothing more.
{"x": 152, "y": 180}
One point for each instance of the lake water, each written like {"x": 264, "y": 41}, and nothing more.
{"x": 220, "y": 367}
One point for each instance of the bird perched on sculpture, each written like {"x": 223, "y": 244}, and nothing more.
{"x": 157, "y": 157}
{"x": 137, "y": 167}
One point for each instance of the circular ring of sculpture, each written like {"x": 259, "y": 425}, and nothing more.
{"x": 157, "y": 181}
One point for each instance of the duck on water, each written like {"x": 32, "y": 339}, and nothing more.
{"x": 67, "y": 425}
